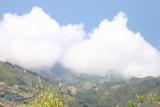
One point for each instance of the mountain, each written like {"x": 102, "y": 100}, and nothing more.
{"x": 17, "y": 85}
{"x": 56, "y": 73}
{"x": 101, "y": 91}
{"x": 119, "y": 95}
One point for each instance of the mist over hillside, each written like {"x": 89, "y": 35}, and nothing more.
{"x": 36, "y": 41}
{"x": 84, "y": 53}
{"x": 18, "y": 86}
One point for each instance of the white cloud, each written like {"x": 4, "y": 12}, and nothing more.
{"x": 35, "y": 40}
{"x": 113, "y": 48}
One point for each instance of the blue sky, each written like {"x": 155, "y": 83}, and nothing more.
{"x": 143, "y": 16}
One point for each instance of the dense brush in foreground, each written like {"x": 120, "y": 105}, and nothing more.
{"x": 150, "y": 100}
{"x": 47, "y": 99}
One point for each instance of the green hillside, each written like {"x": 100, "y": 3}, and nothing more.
{"x": 17, "y": 85}
{"x": 120, "y": 95}
{"x": 15, "y": 75}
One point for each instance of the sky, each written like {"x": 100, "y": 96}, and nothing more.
{"x": 105, "y": 37}
{"x": 143, "y": 15}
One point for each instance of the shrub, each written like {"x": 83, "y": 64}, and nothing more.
{"x": 47, "y": 99}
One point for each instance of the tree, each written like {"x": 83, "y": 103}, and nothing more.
{"x": 47, "y": 99}
{"x": 151, "y": 98}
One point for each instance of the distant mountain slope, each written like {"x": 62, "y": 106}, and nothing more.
{"x": 121, "y": 94}
{"x": 17, "y": 85}
{"x": 56, "y": 73}
{"x": 16, "y": 75}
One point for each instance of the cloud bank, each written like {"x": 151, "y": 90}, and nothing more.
{"x": 35, "y": 40}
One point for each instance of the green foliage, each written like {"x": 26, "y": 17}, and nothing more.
{"x": 15, "y": 75}
{"x": 47, "y": 99}
{"x": 146, "y": 100}
{"x": 132, "y": 104}
{"x": 141, "y": 99}
{"x": 92, "y": 91}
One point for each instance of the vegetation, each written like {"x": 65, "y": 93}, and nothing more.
{"x": 18, "y": 86}
{"x": 47, "y": 99}
{"x": 145, "y": 100}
